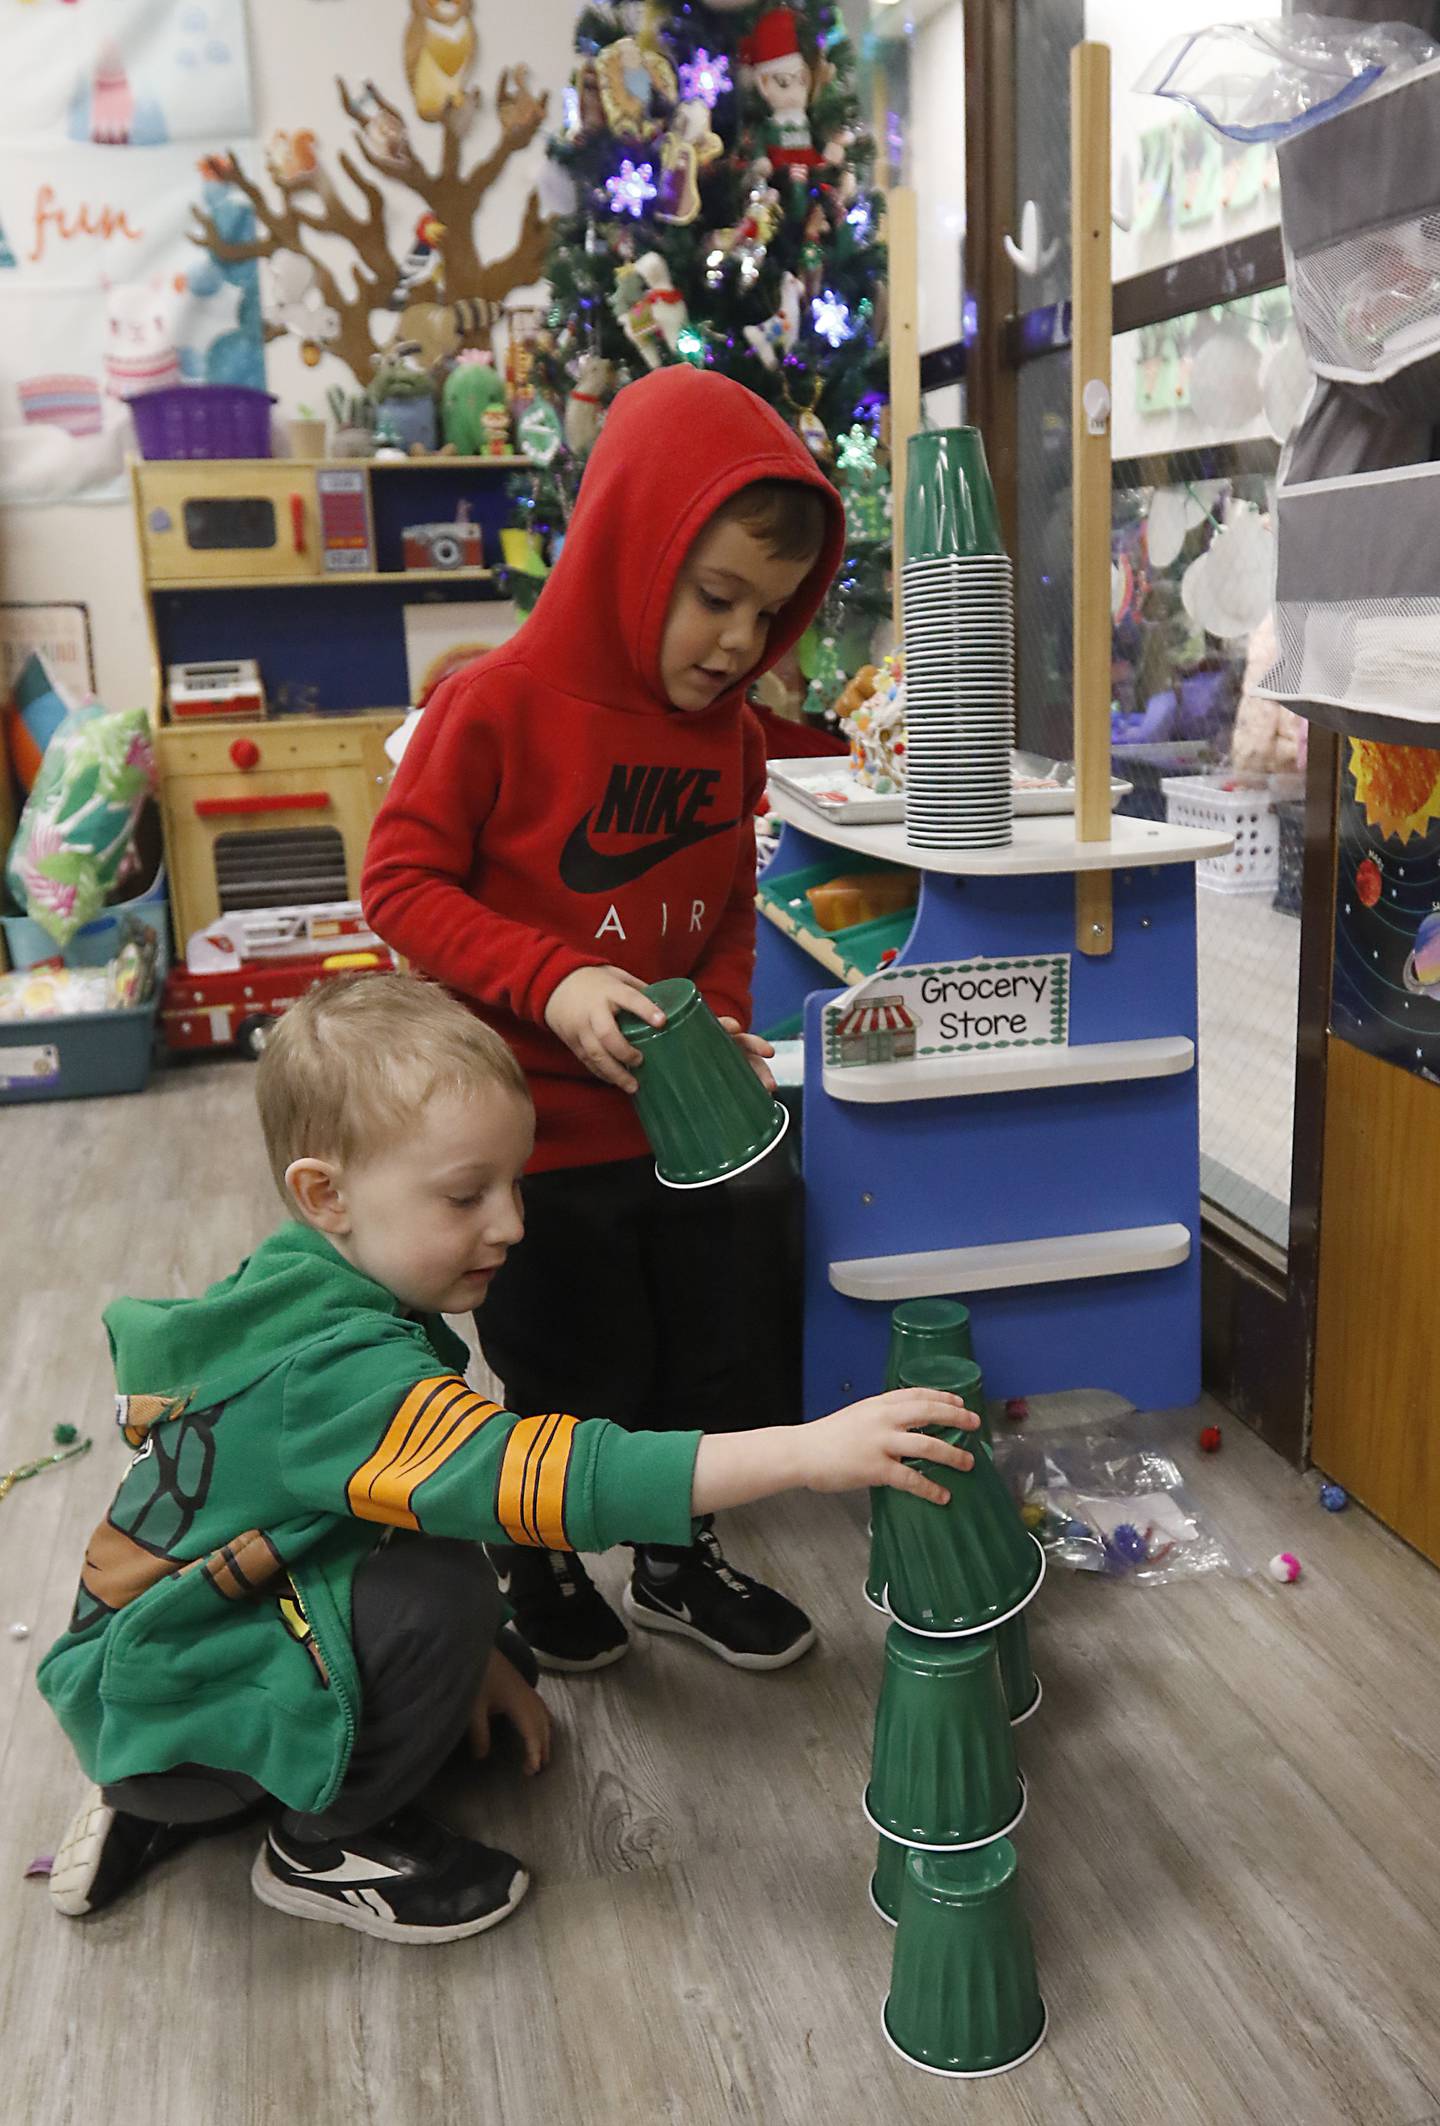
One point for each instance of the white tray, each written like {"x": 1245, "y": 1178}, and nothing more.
{"x": 831, "y": 788}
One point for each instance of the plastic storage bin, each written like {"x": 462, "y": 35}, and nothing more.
{"x": 1253, "y": 865}
{"x": 203, "y": 421}
{"x": 91, "y": 1055}
{"x": 97, "y": 943}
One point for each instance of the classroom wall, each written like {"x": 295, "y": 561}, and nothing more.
{"x": 87, "y": 551}
{"x": 937, "y": 171}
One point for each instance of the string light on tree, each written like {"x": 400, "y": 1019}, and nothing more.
{"x": 690, "y": 345}
{"x": 633, "y": 189}
{"x": 861, "y": 220}
{"x": 831, "y": 318}
{"x": 705, "y": 80}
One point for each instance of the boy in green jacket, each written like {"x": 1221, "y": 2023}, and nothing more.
{"x": 287, "y": 1605}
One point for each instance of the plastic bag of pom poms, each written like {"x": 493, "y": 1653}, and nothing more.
{"x": 1268, "y": 81}
{"x": 1111, "y": 1503}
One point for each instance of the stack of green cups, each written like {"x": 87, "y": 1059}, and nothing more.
{"x": 928, "y": 1328}
{"x": 945, "y": 1788}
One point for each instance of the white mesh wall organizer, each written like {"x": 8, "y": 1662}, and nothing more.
{"x": 1357, "y": 612}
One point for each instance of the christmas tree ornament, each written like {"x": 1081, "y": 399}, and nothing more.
{"x": 827, "y": 681}
{"x": 691, "y": 346}
{"x": 831, "y": 317}
{"x": 864, "y": 484}
{"x": 775, "y": 338}
{"x": 705, "y": 79}
{"x": 807, "y": 422}
{"x": 637, "y": 87}
{"x": 651, "y": 313}
{"x": 812, "y": 253}
{"x": 632, "y": 188}
{"x": 687, "y": 147}
{"x": 774, "y": 63}
{"x": 585, "y": 406}
{"x": 539, "y": 433}
{"x": 751, "y": 235}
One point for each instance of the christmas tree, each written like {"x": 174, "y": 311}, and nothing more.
{"x": 720, "y": 212}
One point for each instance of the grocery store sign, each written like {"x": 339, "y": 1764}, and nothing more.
{"x": 958, "y": 1007}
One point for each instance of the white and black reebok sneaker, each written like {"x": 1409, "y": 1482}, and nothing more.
{"x": 407, "y": 1880}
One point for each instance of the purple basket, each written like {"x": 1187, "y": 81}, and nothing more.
{"x": 203, "y": 421}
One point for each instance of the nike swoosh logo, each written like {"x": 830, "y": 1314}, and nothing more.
{"x": 679, "y": 1610}
{"x": 586, "y": 869}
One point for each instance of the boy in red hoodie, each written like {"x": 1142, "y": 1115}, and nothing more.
{"x": 572, "y": 819}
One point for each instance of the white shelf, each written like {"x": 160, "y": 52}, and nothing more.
{"x": 1010, "y": 1071}
{"x": 1041, "y": 846}
{"x": 1012, "y": 1263}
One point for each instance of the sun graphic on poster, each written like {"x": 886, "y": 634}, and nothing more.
{"x": 1397, "y": 787}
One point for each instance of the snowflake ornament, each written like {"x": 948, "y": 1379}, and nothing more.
{"x": 705, "y": 80}
{"x": 831, "y": 318}
{"x": 633, "y": 189}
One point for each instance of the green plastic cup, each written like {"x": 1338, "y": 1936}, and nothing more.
{"x": 950, "y": 506}
{"x": 959, "y": 1568}
{"x": 877, "y": 1572}
{"x": 933, "y": 1325}
{"x": 964, "y": 2000}
{"x": 887, "y": 1878}
{"x": 1022, "y": 1685}
{"x": 952, "y": 1376}
{"x": 705, "y": 1112}
{"x": 943, "y": 1773}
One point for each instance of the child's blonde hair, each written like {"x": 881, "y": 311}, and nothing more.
{"x": 352, "y": 1065}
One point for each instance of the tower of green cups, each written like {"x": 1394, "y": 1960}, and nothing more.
{"x": 945, "y": 1787}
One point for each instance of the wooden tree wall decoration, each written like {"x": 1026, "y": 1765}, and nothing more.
{"x": 462, "y": 293}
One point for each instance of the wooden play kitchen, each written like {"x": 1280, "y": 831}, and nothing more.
{"x": 295, "y": 576}
{"x": 1001, "y": 1158}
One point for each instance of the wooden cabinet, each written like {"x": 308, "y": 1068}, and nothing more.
{"x": 1377, "y": 1356}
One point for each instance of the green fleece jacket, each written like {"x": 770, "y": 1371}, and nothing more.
{"x": 281, "y": 1423}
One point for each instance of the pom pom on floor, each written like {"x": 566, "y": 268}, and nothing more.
{"x": 1283, "y": 1567}
{"x": 1210, "y": 1440}
{"x": 1334, "y": 1497}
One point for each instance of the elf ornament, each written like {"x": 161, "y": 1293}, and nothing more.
{"x": 688, "y": 146}
{"x": 651, "y": 313}
{"x": 775, "y": 338}
{"x": 784, "y": 79}
{"x": 585, "y": 407}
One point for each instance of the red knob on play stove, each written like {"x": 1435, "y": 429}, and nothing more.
{"x": 245, "y": 753}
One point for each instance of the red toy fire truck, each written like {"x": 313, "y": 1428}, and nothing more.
{"x": 248, "y": 968}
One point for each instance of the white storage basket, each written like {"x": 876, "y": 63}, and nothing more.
{"x": 1253, "y": 865}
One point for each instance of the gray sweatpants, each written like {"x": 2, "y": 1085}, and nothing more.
{"x": 424, "y": 1615}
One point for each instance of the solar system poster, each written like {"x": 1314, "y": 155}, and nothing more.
{"x": 1386, "y": 991}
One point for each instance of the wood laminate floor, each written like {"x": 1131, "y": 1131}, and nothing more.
{"x": 1231, "y": 1850}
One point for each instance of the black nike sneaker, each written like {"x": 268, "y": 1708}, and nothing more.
{"x": 696, "y": 1593}
{"x": 559, "y": 1611}
{"x": 105, "y": 1850}
{"x": 408, "y": 1880}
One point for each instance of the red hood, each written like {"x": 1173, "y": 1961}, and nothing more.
{"x": 675, "y": 447}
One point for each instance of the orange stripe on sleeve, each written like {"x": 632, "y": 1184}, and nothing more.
{"x": 381, "y": 1488}
{"x": 548, "y": 1511}
{"x": 514, "y": 1469}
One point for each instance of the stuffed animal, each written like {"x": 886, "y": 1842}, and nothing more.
{"x": 473, "y": 390}
{"x": 585, "y": 407}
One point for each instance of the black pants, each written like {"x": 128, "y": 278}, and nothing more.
{"x": 424, "y": 1615}
{"x": 625, "y": 1300}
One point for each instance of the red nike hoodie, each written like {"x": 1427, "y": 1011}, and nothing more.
{"x": 552, "y": 810}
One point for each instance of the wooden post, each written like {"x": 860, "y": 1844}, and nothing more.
{"x": 1090, "y": 476}
{"x": 902, "y": 238}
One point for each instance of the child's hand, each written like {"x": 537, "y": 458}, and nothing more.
{"x": 868, "y": 1443}
{"x": 755, "y": 1051}
{"x": 581, "y": 1011}
{"x": 506, "y": 1693}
